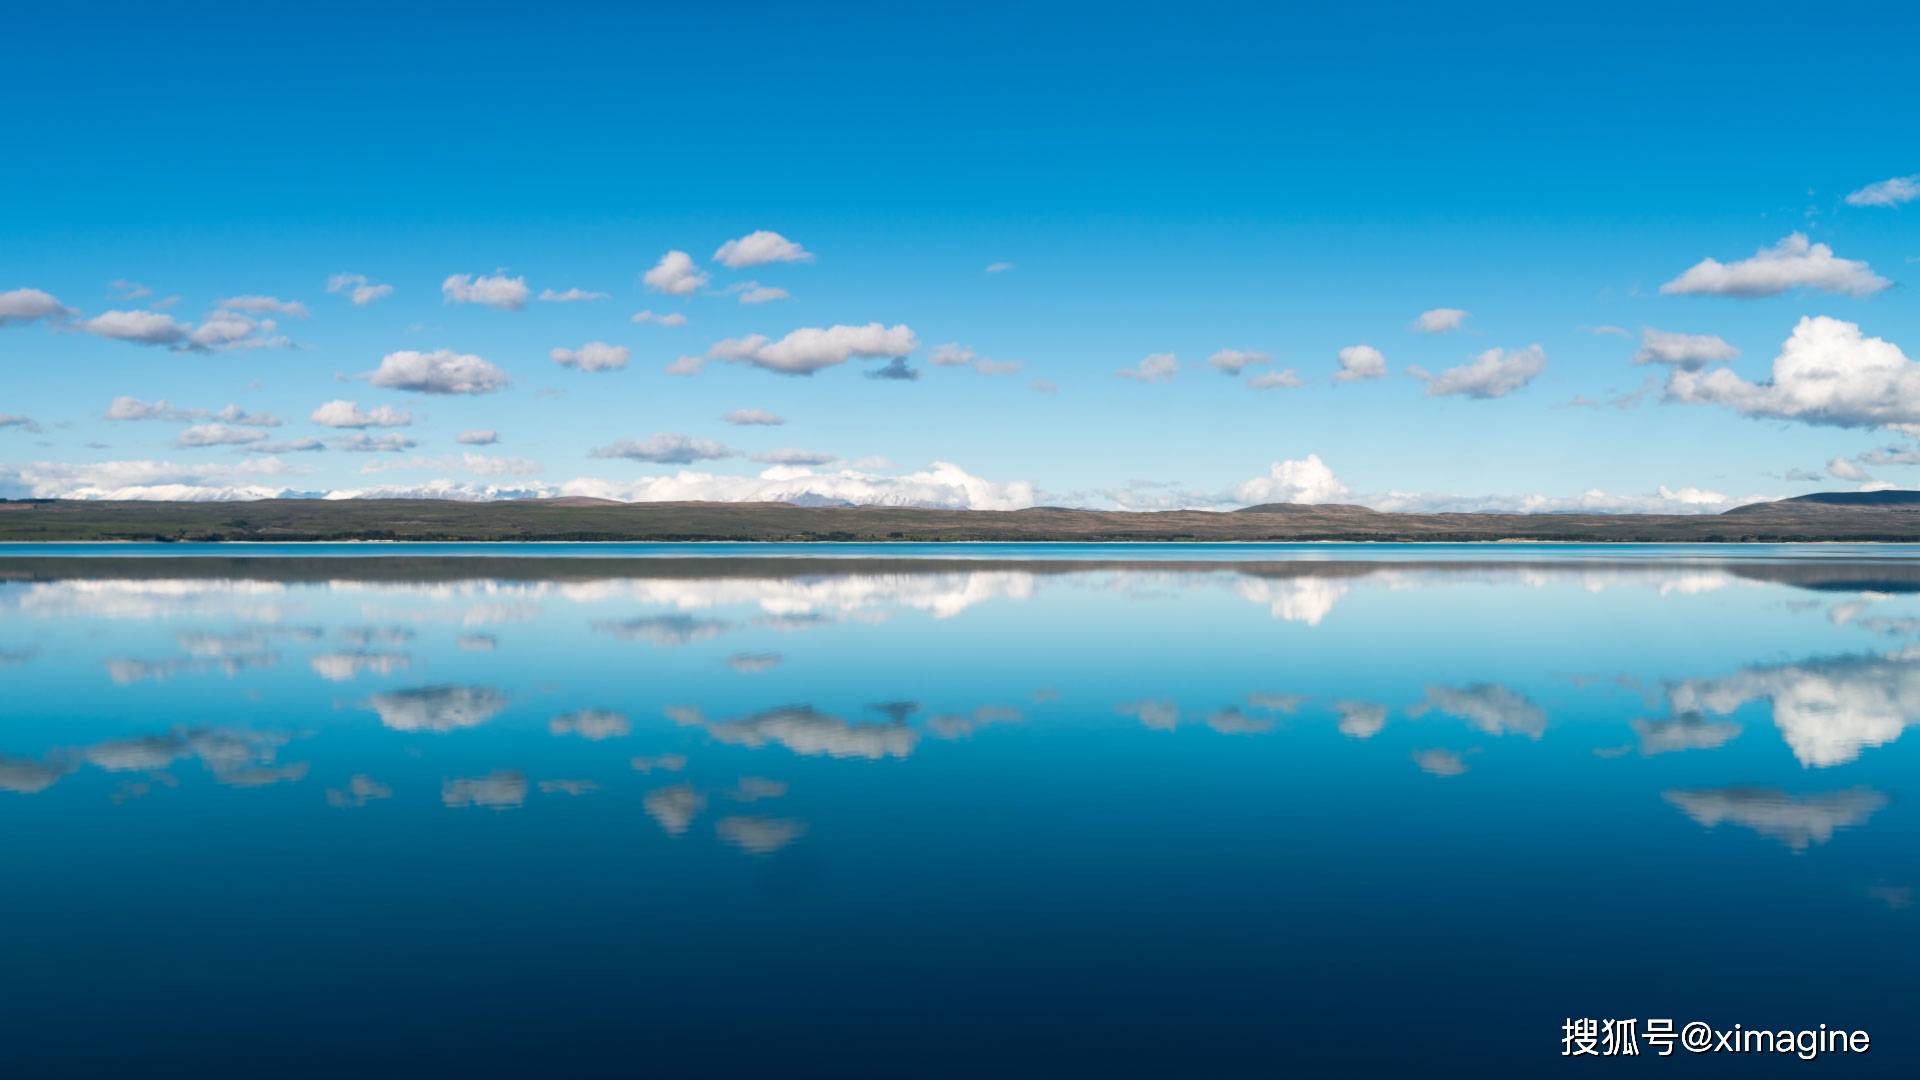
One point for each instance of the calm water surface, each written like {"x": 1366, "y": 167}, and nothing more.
{"x": 967, "y": 810}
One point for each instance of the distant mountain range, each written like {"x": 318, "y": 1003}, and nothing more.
{"x": 1830, "y": 516}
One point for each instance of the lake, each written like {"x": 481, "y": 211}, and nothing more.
{"x": 951, "y": 809}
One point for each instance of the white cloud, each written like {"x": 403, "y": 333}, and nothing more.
{"x": 759, "y": 835}
{"x": 1893, "y": 192}
{"x": 674, "y": 275}
{"x": 219, "y": 435}
{"x": 593, "y": 356}
{"x": 358, "y": 288}
{"x": 789, "y": 455}
{"x": 129, "y": 290}
{"x": 760, "y": 247}
{"x": 21, "y": 306}
{"x": 999, "y": 267}
{"x": 149, "y": 480}
{"x": 139, "y": 327}
{"x": 1276, "y": 380}
{"x": 1153, "y": 368}
{"x": 1360, "y": 362}
{"x": 942, "y": 486}
{"x": 1827, "y": 373}
{"x": 686, "y": 365}
{"x": 754, "y": 418}
{"x": 952, "y": 354}
{"x": 755, "y": 293}
{"x": 808, "y": 349}
{"x": 442, "y": 371}
{"x": 1235, "y": 361}
{"x": 665, "y": 448}
{"x": 132, "y": 408}
{"x": 1439, "y": 320}
{"x": 502, "y": 790}
{"x": 497, "y": 291}
{"x": 306, "y": 445}
{"x": 363, "y": 443}
{"x": 1300, "y": 480}
{"x": 475, "y": 464}
{"x": 1843, "y": 469}
{"x": 1793, "y": 263}
{"x": 1493, "y": 374}
{"x": 1688, "y": 352}
{"x": 671, "y": 318}
{"x": 227, "y": 331}
{"x": 292, "y": 309}
{"x": 571, "y": 296}
{"x": 339, "y": 413}
{"x": 479, "y": 437}
{"x": 1492, "y": 709}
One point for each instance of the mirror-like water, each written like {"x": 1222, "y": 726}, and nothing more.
{"x": 1183, "y": 811}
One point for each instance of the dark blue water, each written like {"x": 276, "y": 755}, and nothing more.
{"x": 1209, "y": 811}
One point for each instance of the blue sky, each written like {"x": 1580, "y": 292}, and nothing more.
{"x": 1218, "y": 178}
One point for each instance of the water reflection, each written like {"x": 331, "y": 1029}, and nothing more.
{"x": 1794, "y": 820}
{"x": 635, "y": 773}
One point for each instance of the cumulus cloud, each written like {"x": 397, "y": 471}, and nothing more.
{"x": 571, "y": 296}
{"x": 675, "y": 274}
{"x": 265, "y": 304}
{"x": 132, "y": 408}
{"x": 788, "y": 455}
{"x": 754, "y": 418}
{"x": 808, "y": 732}
{"x": 1827, "y": 373}
{"x": 1688, "y": 352}
{"x": 1302, "y": 480}
{"x": 954, "y": 354}
{"x": 942, "y": 486}
{"x": 753, "y": 292}
{"x": 1153, "y": 368}
{"x": 1493, "y": 374}
{"x": 219, "y": 435}
{"x": 442, "y": 371}
{"x": 138, "y": 327}
{"x": 1234, "y": 361}
{"x": 476, "y": 464}
{"x": 665, "y": 448}
{"x": 1891, "y": 192}
{"x": 340, "y": 413}
{"x": 1439, "y": 762}
{"x": 497, "y": 291}
{"x": 1277, "y": 380}
{"x": 227, "y": 331}
{"x": 760, "y": 247}
{"x": 479, "y": 437}
{"x": 21, "y": 306}
{"x": 253, "y": 478}
{"x": 358, "y": 288}
{"x": 1439, "y": 320}
{"x": 895, "y": 370}
{"x": 671, "y": 318}
{"x": 1793, "y": 263}
{"x": 593, "y": 356}
{"x": 363, "y": 443}
{"x": 1843, "y": 469}
{"x": 809, "y": 349}
{"x": 1360, "y": 362}
{"x": 675, "y": 807}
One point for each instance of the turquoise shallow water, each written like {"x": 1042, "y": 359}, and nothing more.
{"x": 1124, "y": 809}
